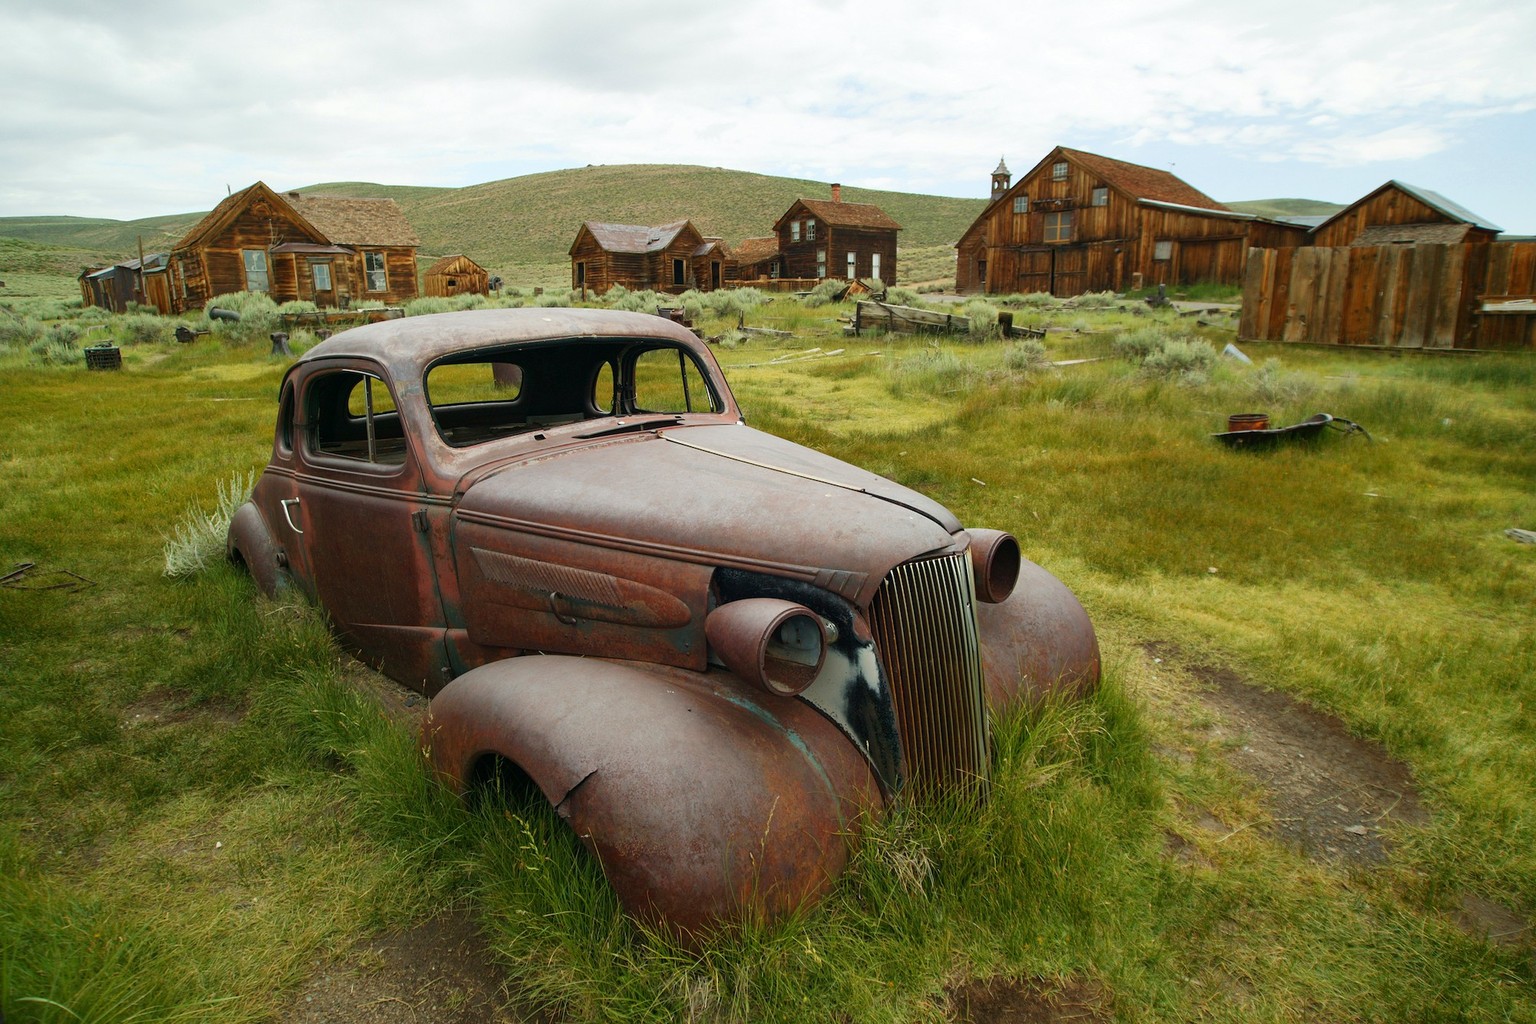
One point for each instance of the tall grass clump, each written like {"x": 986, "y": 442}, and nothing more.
{"x": 1026, "y": 356}
{"x": 20, "y": 332}
{"x": 258, "y": 316}
{"x": 1096, "y": 300}
{"x": 931, "y": 371}
{"x": 1034, "y": 300}
{"x": 1270, "y": 384}
{"x": 197, "y": 539}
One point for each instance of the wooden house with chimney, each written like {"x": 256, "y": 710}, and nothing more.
{"x": 668, "y": 258}
{"x": 830, "y": 238}
{"x": 1079, "y": 222}
{"x": 328, "y": 250}
{"x": 1399, "y": 214}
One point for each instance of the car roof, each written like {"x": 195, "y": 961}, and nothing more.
{"x": 413, "y": 342}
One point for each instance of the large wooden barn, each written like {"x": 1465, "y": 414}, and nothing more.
{"x": 1398, "y": 213}
{"x": 328, "y": 250}
{"x": 1079, "y": 222}
{"x": 821, "y": 238}
{"x": 670, "y": 258}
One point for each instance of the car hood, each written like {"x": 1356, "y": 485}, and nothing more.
{"x": 720, "y": 495}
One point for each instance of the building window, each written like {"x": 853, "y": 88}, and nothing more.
{"x": 1059, "y": 171}
{"x": 1100, "y": 196}
{"x": 874, "y": 266}
{"x": 255, "y": 269}
{"x": 794, "y": 231}
{"x": 373, "y": 264}
{"x": 853, "y": 265}
{"x": 1021, "y": 204}
{"x": 810, "y": 230}
{"x": 1162, "y": 251}
{"x": 821, "y": 263}
{"x": 581, "y": 274}
{"x": 322, "y": 276}
{"x": 1058, "y": 227}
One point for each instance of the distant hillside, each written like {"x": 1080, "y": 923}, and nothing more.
{"x": 1287, "y": 207}
{"x": 532, "y": 220}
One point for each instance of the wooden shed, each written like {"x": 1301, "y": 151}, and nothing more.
{"x": 1401, "y": 214}
{"x": 131, "y": 281}
{"x": 328, "y": 250}
{"x": 664, "y": 258}
{"x": 456, "y": 275}
{"x": 830, "y": 238}
{"x": 1079, "y": 222}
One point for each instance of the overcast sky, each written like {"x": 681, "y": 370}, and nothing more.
{"x": 125, "y": 111}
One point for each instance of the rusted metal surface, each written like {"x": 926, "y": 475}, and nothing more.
{"x": 557, "y": 561}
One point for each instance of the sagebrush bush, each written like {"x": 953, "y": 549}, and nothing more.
{"x": 1026, "y": 356}
{"x": 20, "y": 332}
{"x": 1136, "y": 345}
{"x": 196, "y": 540}
{"x": 903, "y": 297}
{"x": 1272, "y": 385}
{"x": 258, "y": 316}
{"x": 143, "y": 329}
{"x": 1097, "y": 300}
{"x": 934, "y": 370}
{"x": 735, "y": 302}
{"x": 1186, "y": 361}
{"x": 63, "y": 334}
{"x": 826, "y": 291}
{"x": 983, "y": 317}
{"x": 1035, "y": 299}
{"x": 298, "y": 306}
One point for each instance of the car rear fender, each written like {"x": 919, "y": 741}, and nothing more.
{"x": 703, "y": 799}
{"x": 250, "y": 543}
{"x": 1037, "y": 643}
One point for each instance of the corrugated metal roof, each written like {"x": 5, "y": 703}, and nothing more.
{"x": 1455, "y": 211}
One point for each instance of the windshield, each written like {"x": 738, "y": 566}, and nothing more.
{"x": 480, "y": 396}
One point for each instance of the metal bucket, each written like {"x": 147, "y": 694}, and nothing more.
{"x": 1248, "y": 421}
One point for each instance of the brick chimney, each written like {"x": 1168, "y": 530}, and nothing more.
{"x": 837, "y": 193}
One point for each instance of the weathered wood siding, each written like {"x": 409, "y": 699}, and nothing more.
{"x": 457, "y": 276}
{"x": 1398, "y": 296}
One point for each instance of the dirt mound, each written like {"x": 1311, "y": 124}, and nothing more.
{"x": 1029, "y": 1001}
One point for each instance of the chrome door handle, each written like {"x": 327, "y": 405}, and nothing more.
{"x": 288, "y": 513}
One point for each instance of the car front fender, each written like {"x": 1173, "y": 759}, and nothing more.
{"x": 250, "y": 543}
{"x": 705, "y": 801}
{"x": 1037, "y": 643}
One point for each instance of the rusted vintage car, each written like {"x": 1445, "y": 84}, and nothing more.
{"x": 712, "y": 650}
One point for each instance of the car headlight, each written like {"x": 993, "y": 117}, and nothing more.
{"x": 995, "y": 559}
{"x": 778, "y": 645}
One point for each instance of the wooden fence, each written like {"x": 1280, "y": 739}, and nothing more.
{"x": 1422, "y": 296}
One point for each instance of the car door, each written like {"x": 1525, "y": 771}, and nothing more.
{"x": 363, "y": 514}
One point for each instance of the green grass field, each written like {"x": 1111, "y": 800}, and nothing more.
{"x": 204, "y": 810}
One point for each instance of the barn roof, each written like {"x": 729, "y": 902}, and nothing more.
{"x": 1138, "y": 181}
{"x": 355, "y": 221}
{"x": 635, "y": 238}
{"x": 847, "y": 215}
{"x": 756, "y": 250}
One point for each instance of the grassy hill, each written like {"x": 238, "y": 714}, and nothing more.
{"x": 1287, "y": 207}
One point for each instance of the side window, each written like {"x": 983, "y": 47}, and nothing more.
{"x": 668, "y": 380}
{"x": 352, "y": 416}
{"x": 378, "y": 277}
{"x": 285, "y": 420}
{"x": 255, "y": 261}
{"x": 602, "y": 389}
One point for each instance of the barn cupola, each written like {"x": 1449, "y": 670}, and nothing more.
{"x": 1002, "y": 178}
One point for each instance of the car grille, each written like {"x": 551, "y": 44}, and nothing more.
{"x": 924, "y": 621}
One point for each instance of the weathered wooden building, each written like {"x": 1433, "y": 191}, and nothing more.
{"x": 131, "y": 281}
{"x": 455, "y": 275}
{"x": 830, "y": 238}
{"x": 668, "y": 258}
{"x": 1079, "y": 222}
{"x": 328, "y": 250}
{"x": 1398, "y": 214}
